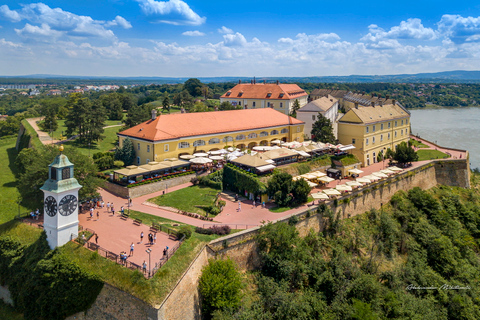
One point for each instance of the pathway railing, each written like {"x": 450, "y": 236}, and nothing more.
{"x": 232, "y": 226}
{"x": 168, "y": 255}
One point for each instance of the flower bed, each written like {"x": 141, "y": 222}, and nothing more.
{"x": 160, "y": 178}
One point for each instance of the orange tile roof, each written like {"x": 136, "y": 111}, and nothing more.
{"x": 262, "y": 90}
{"x": 174, "y": 126}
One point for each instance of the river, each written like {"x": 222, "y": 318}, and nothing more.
{"x": 450, "y": 127}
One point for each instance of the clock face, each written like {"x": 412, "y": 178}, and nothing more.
{"x": 50, "y": 206}
{"x": 67, "y": 205}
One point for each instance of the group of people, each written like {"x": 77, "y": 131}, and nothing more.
{"x": 254, "y": 204}
{"x": 35, "y": 214}
{"x": 152, "y": 238}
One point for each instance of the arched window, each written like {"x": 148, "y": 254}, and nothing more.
{"x": 240, "y": 137}
{"x": 214, "y": 141}
{"x": 273, "y": 132}
{"x": 263, "y": 134}
{"x": 252, "y": 136}
{"x": 199, "y": 143}
{"x": 284, "y": 131}
{"x": 227, "y": 139}
{"x": 183, "y": 145}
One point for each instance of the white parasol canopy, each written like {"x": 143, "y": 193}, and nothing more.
{"x": 262, "y": 148}
{"x": 332, "y": 192}
{"x": 217, "y": 152}
{"x": 393, "y": 168}
{"x": 276, "y": 141}
{"x": 309, "y": 176}
{"x": 372, "y": 177}
{"x": 363, "y": 180}
{"x": 319, "y": 195}
{"x": 354, "y": 184}
{"x": 216, "y": 157}
{"x": 297, "y": 178}
{"x": 200, "y": 154}
{"x": 380, "y": 175}
{"x": 187, "y": 157}
{"x": 387, "y": 171}
{"x": 343, "y": 187}
{"x": 311, "y": 184}
{"x": 355, "y": 171}
{"x": 326, "y": 179}
{"x": 318, "y": 174}
{"x": 201, "y": 160}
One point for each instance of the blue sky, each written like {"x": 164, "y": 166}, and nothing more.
{"x": 200, "y": 38}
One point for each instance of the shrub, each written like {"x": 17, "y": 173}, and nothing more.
{"x": 293, "y": 220}
{"x": 118, "y": 163}
{"x": 184, "y": 231}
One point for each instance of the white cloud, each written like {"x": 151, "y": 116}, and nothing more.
{"x": 236, "y": 39}
{"x": 225, "y": 30}
{"x": 175, "y": 12}
{"x": 410, "y": 29}
{"x": 119, "y": 21}
{"x": 8, "y": 14}
{"x": 460, "y": 29}
{"x": 195, "y": 33}
{"x": 44, "y": 31}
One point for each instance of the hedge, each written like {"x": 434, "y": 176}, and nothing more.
{"x": 237, "y": 179}
{"x": 157, "y": 179}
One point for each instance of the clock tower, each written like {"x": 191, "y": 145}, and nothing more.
{"x": 60, "y": 202}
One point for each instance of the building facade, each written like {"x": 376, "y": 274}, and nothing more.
{"x": 277, "y": 96}
{"x": 373, "y": 130}
{"x": 172, "y": 135}
{"x": 326, "y": 106}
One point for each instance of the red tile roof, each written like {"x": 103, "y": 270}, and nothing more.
{"x": 261, "y": 91}
{"x": 173, "y": 126}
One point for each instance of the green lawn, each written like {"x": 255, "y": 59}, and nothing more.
{"x": 418, "y": 144}
{"x": 430, "y": 154}
{"x": 106, "y": 144}
{"x": 185, "y": 199}
{"x": 283, "y": 209}
{"x": 148, "y": 219}
{"x": 61, "y": 127}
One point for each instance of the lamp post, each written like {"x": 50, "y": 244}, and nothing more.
{"x": 128, "y": 205}
{"x": 149, "y": 267}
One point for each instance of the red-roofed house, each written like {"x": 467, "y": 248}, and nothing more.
{"x": 266, "y": 95}
{"x": 172, "y": 135}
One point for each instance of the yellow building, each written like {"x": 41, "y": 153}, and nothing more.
{"x": 172, "y": 135}
{"x": 278, "y": 96}
{"x": 373, "y": 130}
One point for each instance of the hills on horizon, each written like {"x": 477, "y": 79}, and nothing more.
{"x": 457, "y": 76}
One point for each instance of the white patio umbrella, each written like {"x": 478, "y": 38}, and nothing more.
{"x": 200, "y": 154}
{"x": 318, "y": 174}
{"x": 276, "y": 141}
{"x": 319, "y": 195}
{"x": 201, "y": 160}
{"x": 309, "y": 176}
{"x": 217, "y": 152}
{"x": 372, "y": 177}
{"x": 311, "y": 184}
{"x": 231, "y": 149}
{"x": 343, "y": 187}
{"x": 380, "y": 175}
{"x": 387, "y": 171}
{"x": 297, "y": 178}
{"x": 354, "y": 184}
{"x": 332, "y": 192}
{"x": 355, "y": 171}
{"x": 216, "y": 157}
{"x": 363, "y": 180}
{"x": 187, "y": 157}
{"x": 393, "y": 168}
{"x": 326, "y": 179}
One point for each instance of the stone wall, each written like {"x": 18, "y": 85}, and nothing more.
{"x": 115, "y": 304}
{"x": 142, "y": 190}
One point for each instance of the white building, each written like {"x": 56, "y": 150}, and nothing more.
{"x": 326, "y": 106}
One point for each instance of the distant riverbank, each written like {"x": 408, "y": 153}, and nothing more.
{"x": 456, "y": 127}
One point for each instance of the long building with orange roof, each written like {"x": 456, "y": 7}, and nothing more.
{"x": 172, "y": 135}
{"x": 278, "y": 96}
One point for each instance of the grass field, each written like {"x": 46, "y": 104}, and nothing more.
{"x": 61, "y": 127}
{"x": 185, "y": 199}
{"x": 148, "y": 219}
{"x": 418, "y": 144}
{"x": 430, "y": 154}
{"x": 106, "y": 144}
{"x": 283, "y": 209}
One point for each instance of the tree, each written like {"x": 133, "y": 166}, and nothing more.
{"x": 126, "y": 153}
{"x": 226, "y": 105}
{"x": 198, "y": 107}
{"x": 219, "y": 286}
{"x": 322, "y": 130}
{"x": 113, "y": 103}
{"x": 300, "y": 191}
{"x": 166, "y": 102}
{"x": 193, "y": 86}
{"x": 295, "y": 107}
{"x": 405, "y": 154}
{"x": 128, "y": 101}
{"x": 33, "y": 172}
{"x": 280, "y": 188}
{"x": 87, "y": 120}
{"x": 137, "y": 115}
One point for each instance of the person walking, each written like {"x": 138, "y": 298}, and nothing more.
{"x": 96, "y": 238}
{"x": 98, "y": 215}
{"x": 91, "y": 213}
{"x": 113, "y": 209}
{"x": 102, "y": 204}
{"x": 150, "y": 238}
{"x": 132, "y": 247}
{"x": 239, "y": 206}
{"x": 108, "y": 206}
{"x": 253, "y": 204}
{"x": 154, "y": 238}
{"x": 141, "y": 237}
{"x": 144, "y": 266}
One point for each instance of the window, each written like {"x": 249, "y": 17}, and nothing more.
{"x": 214, "y": 141}
{"x": 381, "y": 126}
{"x": 388, "y": 136}
{"x": 148, "y": 148}
{"x": 268, "y": 104}
{"x": 374, "y": 157}
{"x": 165, "y": 148}
{"x": 252, "y": 136}
{"x": 389, "y": 125}
{"x": 395, "y": 123}
{"x": 298, "y": 129}
{"x": 313, "y": 118}
{"x": 198, "y": 143}
{"x": 367, "y": 129}
{"x": 406, "y": 131}
{"x": 138, "y": 160}
{"x": 253, "y": 104}
{"x": 402, "y": 122}
{"x": 273, "y": 132}
{"x": 183, "y": 145}
{"x": 395, "y": 133}
{"x": 373, "y": 128}
{"x": 366, "y": 142}
{"x": 406, "y": 121}
{"x": 264, "y": 134}
{"x": 381, "y": 137}
{"x": 373, "y": 140}
{"x": 227, "y": 139}
{"x": 284, "y": 131}
{"x": 353, "y": 141}
{"x": 138, "y": 146}
{"x": 239, "y": 103}
{"x": 281, "y": 104}
{"x": 148, "y": 160}
{"x": 240, "y": 137}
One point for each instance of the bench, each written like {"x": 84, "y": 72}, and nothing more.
{"x": 137, "y": 221}
{"x": 124, "y": 216}
{"x": 172, "y": 237}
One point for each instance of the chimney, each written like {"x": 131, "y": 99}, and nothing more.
{"x": 239, "y": 81}
{"x": 264, "y": 81}
{"x": 356, "y": 105}
{"x": 254, "y": 80}
{"x": 277, "y": 82}
{"x": 251, "y": 81}
{"x": 394, "y": 101}
{"x": 387, "y": 97}
{"x": 154, "y": 114}
{"x": 372, "y": 104}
